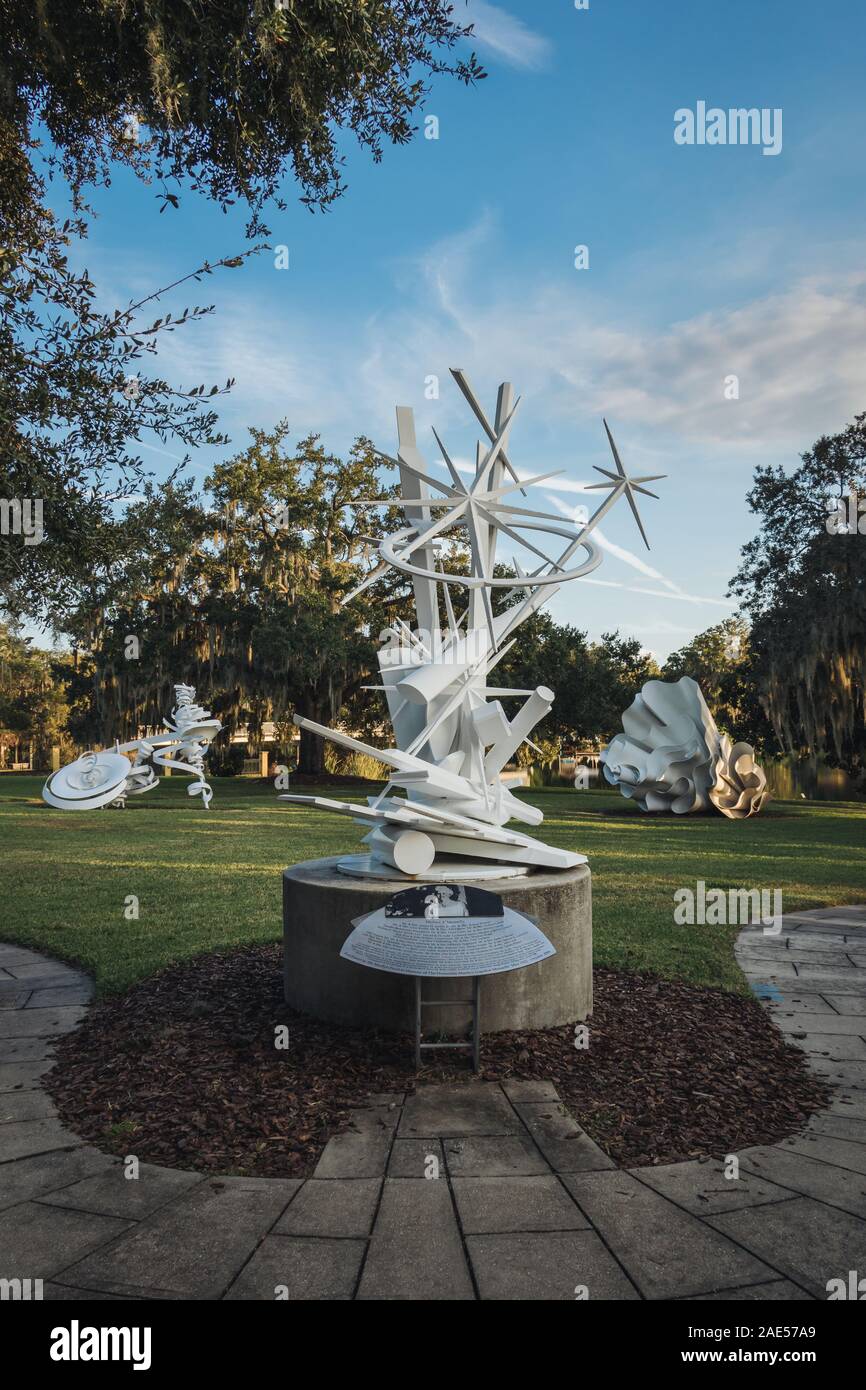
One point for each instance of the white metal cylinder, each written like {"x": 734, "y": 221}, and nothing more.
{"x": 410, "y": 851}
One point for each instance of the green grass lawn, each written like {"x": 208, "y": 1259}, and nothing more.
{"x": 211, "y": 879}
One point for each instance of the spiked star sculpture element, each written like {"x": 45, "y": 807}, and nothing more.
{"x": 452, "y": 737}
{"x": 623, "y": 484}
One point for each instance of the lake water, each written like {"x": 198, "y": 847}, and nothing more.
{"x": 789, "y": 779}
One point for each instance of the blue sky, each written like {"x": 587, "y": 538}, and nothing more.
{"x": 704, "y": 261}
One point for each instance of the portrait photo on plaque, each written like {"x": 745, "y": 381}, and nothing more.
{"x": 445, "y": 930}
{"x": 437, "y": 900}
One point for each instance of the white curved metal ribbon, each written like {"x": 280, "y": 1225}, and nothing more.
{"x": 98, "y": 779}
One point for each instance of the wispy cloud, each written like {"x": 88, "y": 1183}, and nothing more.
{"x": 505, "y": 37}
{"x": 618, "y": 552}
{"x": 798, "y": 355}
{"x": 659, "y": 593}
{"x": 610, "y": 546}
{"x": 635, "y": 562}
{"x": 151, "y": 448}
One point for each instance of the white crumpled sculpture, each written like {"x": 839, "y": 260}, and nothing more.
{"x": 740, "y": 788}
{"x": 671, "y": 756}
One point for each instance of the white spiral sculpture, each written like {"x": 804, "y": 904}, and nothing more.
{"x": 672, "y": 757}
{"x": 108, "y": 778}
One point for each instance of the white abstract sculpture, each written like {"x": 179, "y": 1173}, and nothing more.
{"x": 451, "y": 732}
{"x": 672, "y": 757}
{"x": 108, "y": 778}
{"x": 740, "y": 788}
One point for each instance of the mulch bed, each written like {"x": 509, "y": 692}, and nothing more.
{"x": 182, "y": 1070}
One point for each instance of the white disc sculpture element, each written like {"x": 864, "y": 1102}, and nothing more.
{"x": 672, "y": 757}
{"x": 107, "y": 779}
{"x": 451, "y": 732}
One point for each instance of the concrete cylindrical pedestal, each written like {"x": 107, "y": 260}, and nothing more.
{"x": 318, "y": 907}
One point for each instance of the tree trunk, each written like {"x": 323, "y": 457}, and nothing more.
{"x": 311, "y": 753}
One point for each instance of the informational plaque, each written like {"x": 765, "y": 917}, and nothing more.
{"x": 445, "y": 930}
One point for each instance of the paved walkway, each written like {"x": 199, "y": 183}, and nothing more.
{"x": 526, "y": 1206}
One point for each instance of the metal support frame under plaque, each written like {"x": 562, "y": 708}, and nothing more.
{"x": 422, "y": 1003}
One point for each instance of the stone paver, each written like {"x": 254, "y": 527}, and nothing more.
{"x": 13, "y": 995}
{"x": 373, "y": 1119}
{"x": 848, "y": 1076}
{"x": 110, "y": 1193}
{"x": 58, "y": 995}
{"x": 561, "y": 1140}
{"x": 552, "y": 1266}
{"x": 499, "y": 1156}
{"x": 38, "y": 1242}
{"x": 39, "y": 1023}
{"x": 411, "y": 1158}
{"x": 362, "y": 1152}
{"x": 832, "y": 979}
{"x": 20, "y": 1138}
{"x": 666, "y": 1252}
{"x": 518, "y": 1091}
{"x": 192, "y": 1248}
{"x": 796, "y": 1003}
{"x": 416, "y": 1252}
{"x": 827, "y": 1024}
{"x": 702, "y": 1188}
{"x": 828, "y": 1046}
{"x": 847, "y": 1102}
{"x": 847, "y": 1003}
{"x": 842, "y": 1153}
{"x": 18, "y": 1076}
{"x": 13, "y": 957}
{"x": 289, "y": 1269}
{"x": 500, "y": 1205}
{"x": 808, "y": 1176}
{"x": 813, "y": 956}
{"x": 840, "y": 1126}
{"x": 846, "y": 916}
{"x": 458, "y": 1110}
{"x": 27, "y": 1050}
{"x": 29, "y": 1178}
{"x": 525, "y": 1205}
{"x": 25, "y": 1105}
{"x": 770, "y": 968}
{"x": 41, "y": 973}
{"x": 806, "y": 1240}
{"x": 802, "y": 940}
{"x": 820, "y": 1233}
{"x": 323, "y": 1208}
{"x": 57, "y": 1293}
{"x": 781, "y": 1290}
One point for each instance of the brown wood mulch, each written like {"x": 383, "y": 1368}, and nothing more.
{"x": 182, "y": 1070}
